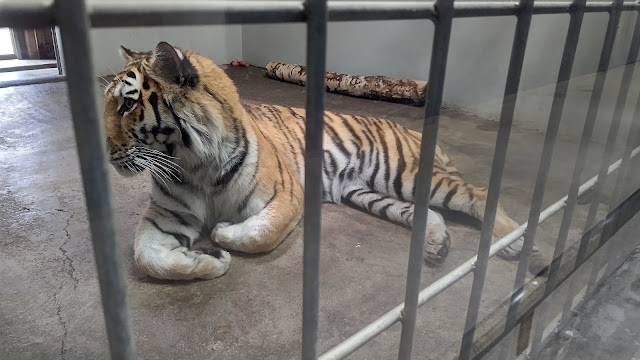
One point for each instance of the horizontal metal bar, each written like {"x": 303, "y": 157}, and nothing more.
{"x": 121, "y": 13}
{"x": 376, "y": 10}
{"x": 34, "y": 81}
{"x": 384, "y": 322}
{"x": 25, "y": 14}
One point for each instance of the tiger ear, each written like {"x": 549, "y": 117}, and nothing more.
{"x": 128, "y": 55}
{"x": 170, "y": 64}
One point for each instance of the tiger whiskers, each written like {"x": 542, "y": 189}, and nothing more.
{"x": 162, "y": 169}
{"x": 161, "y": 157}
{"x": 105, "y": 80}
{"x": 154, "y": 170}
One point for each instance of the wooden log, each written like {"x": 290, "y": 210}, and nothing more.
{"x": 385, "y": 88}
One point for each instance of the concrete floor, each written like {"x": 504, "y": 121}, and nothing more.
{"x": 609, "y": 324}
{"x": 50, "y": 301}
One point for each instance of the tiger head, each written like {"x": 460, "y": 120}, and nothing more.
{"x": 168, "y": 105}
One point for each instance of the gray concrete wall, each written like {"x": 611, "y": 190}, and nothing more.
{"x": 220, "y": 43}
{"x": 478, "y": 58}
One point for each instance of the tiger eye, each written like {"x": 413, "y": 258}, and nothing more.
{"x": 129, "y": 102}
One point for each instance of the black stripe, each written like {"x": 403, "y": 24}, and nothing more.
{"x": 234, "y": 167}
{"x": 178, "y": 217}
{"x": 166, "y": 193}
{"x": 248, "y": 109}
{"x": 275, "y": 191}
{"x": 275, "y": 153}
{"x": 284, "y": 130}
{"x": 368, "y": 192}
{"x": 280, "y": 170}
{"x": 181, "y": 238}
{"x": 126, "y": 82}
{"x": 346, "y": 124}
{"x": 413, "y": 188}
{"x": 376, "y": 168}
{"x": 365, "y": 128}
{"x": 153, "y": 100}
{"x": 134, "y": 91}
{"x": 385, "y": 154}
{"x": 131, "y": 74}
{"x": 332, "y": 160}
{"x": 186, "y": 138}
{"x": 337, "y": 140}
{"x": 361, "y": 165}
{"x": 351, "y": 193}
{"x": 435, "y": 188}
{"x": 383, "y": 211}
{"x": 402, "y": 165}
{"x": 295, "y": 114}
{"x": 450, "y": 194}
{"x": 291, "y": 181}
{"x": 373, "y": 202}
{"x": 245, "y": 201}
{"x": 215, "y": 97}
{"x": 145, "y": 84}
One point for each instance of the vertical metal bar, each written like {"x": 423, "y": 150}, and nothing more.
{"x": 568, "y": 55}
{"x": 587, "y": 132}
{"x": 316, "y": 57}
{"x": 437, "y": 70}
{"x": 524, "y": 333}
{"x": 623, "y": 173}
{"x": 89, "y": 133}
{"x": 615, "y": 123}
{"x": 581, "y": 158}
{"x": 56, "y": 50}
{"x": 622, "y": 182}
{"x": 499, "y": 156}
{"x": 602, "y": 175}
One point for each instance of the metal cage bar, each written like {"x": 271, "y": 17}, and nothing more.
{"x": 316, "y": 51}
{"x": 612, "y": 136}
{"x": 602, "y": 174}
{"x": 437, "y": 71}
{"x": 384, "y": 322}
{"x": 74, "y": 19}
{"x": 606, "y": 228}
{"x": 557, "y": 106}
{"x": 499, "y": 156}
{"x": 120, "y": 13}
{"x": 92, "y": 151}
{"x": 581, "y": 158}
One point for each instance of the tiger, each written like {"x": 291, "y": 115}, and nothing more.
{"x": 233, "y": 172}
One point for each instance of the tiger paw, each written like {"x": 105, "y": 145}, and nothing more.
{"x": 538, "y": 265}
{"x": 436, "y": 246}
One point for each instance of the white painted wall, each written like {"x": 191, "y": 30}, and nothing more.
{"x": 478, "y": 57}
{"x": 222, "y": 43}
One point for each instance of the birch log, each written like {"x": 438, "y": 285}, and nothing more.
{"x": 404, "y": 91}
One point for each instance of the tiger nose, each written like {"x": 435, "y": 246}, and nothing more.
{"x": 444, "y": 251}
